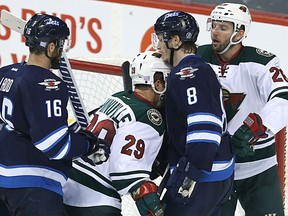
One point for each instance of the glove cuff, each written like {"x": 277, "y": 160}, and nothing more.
{"x": 145, "y": 188}
{"x": 254, "y": 123}
{"x": 91, "y": 138}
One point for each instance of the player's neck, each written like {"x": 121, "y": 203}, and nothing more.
{"x": 146, "y": 95}
{"x": 179, "y": 55}
{"x": 39, "y": 60}
{"x": 231, "y": 52}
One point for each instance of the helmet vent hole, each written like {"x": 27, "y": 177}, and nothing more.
{"x": 244, "y": 9}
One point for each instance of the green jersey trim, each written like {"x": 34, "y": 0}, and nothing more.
{"x": 92, "y": 183}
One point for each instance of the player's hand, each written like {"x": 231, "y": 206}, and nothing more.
{"x": 147, "y": 199}
{"x": 100, "y": 155}
{"x": 99, "y": 151}
{"x": 247, "y": 135}
{"x": 182, "y": 182}
{"x": 187, "y": 187}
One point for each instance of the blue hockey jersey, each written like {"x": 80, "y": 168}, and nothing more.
{"x": 36, "y": 146}
{"x": 196, "y": 120}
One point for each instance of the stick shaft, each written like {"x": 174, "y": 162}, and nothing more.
{"x": 17, "y": 24}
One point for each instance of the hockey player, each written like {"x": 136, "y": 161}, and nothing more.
{"x": 200, "y": 155}
{"x": 36, "y": 146}
{"x": 256, "y": 100}
{"x": 132, "y": 124}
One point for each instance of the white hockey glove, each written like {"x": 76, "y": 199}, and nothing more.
{"x": 98, "y": 157}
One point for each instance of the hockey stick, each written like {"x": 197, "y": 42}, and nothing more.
{"x": 127, "y": 81}
{"x": 12, "y": 22}
{"x": 18, "y": 25}
{"x": 80, "y": 112}
{"x": 161, "y": 191}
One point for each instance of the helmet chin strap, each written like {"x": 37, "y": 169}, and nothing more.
{"x": 230, "y": 43}
{"x": 172, "y": 52}
{"x": 171, "y": 56}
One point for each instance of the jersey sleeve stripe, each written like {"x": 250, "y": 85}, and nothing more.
{"x": 218, "y": 172}
{"x": 203, "y": 118}
{"x": 221, "y": 165}
{"x": 277, "y": 91}
{"x": 63, "y": 151}
{"x": 23, "y": 175}
{"x": 204, "y": 136}
{"x": 51, "y": 139}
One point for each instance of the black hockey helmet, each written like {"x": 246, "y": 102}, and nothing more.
{"x": 179, "y": 22}
{"x": 43, "y": 28}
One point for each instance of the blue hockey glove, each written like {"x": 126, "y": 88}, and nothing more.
{"x": 247, "y": 135}
{"x": 147, "y": 199}
{"x": 99, "y": 151}
{"x": 182, "y": 182}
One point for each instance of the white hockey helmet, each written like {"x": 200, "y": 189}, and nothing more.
{"x": 236, "y": 13}
{"x": 145, "y": 65}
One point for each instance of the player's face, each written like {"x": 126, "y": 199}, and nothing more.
{"x": 56, "y": 57}
{"x": 220, "y": 34}
{"x": 162, "y": 48}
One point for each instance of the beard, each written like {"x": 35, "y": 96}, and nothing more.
{"x": 55, "y": 61}
{"x": 219, "y": 47}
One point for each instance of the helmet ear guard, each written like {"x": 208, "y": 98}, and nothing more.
{"x": 144, "y": 66}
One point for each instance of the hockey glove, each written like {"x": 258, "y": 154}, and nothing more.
{"x": 147, "y": 199}
{"x": 182, "y": 182}
{"x": 99, "y": 151}
{"x": 247, "y": 135}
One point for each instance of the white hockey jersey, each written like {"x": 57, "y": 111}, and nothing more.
{"x": 252, "y": 81}
{"x": 135, "y": 130}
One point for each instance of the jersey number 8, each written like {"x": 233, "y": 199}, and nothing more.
{"x": 191, "y": 95}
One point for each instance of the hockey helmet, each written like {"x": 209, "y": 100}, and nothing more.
{"x": 179, "y": 22}
{"x": 238, "y": 14}
{"x": 43, "y": 28}
{"x": 145, "y": 65}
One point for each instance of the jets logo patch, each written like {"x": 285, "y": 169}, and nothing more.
{"x": 187, "y": 72}
{"x": 264, "y": 53}
{"x": 50, "y": 84}
{"x": 155, "y": 116}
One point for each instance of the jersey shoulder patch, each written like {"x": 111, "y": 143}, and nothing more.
{"x": 264, "y": 52}
{"x": 257, "y": 55}
{"x": 154, "y": 117}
